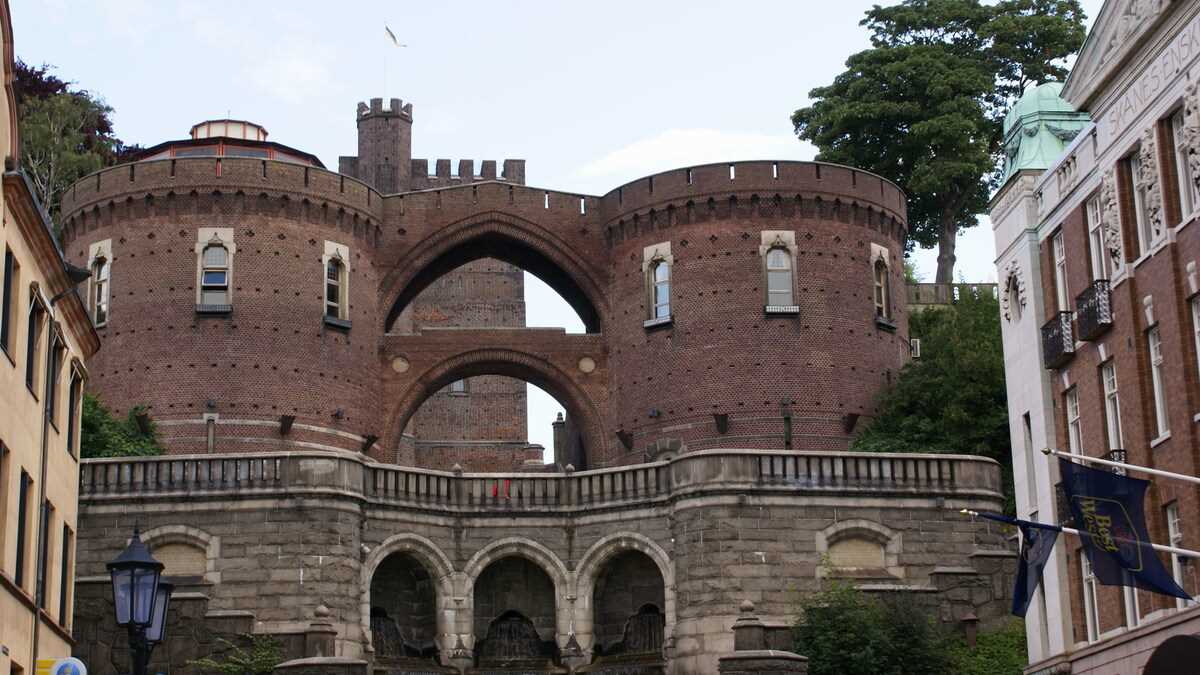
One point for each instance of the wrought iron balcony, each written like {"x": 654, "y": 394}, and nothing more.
{"x": 1094, "y": 306}
{"x": 1058, "y": 341}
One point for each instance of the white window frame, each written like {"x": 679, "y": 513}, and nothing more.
{"x": 880, "y": 273}
{"x": 1112, "y": 406}
{"x": 1074, "y": 428}
{"x": 1129, "y": 598}
{"x": 340, "y": 254}
{"x": 655, "y": 257}
{"x": 335, "y": 308}
{"x": 1140, "y": 215}
{"x": 1189, "y": 195}
{"x": 660, "y": 289}
{"x": 1195, "y": 305}
{"x": 1154, "y": 343}
{"x": 206, "y": 268}
{"x": 1062, "y": 290}
{"x": 458, "y": 387}
{"x": 207, "y": 237}
{"x": 776, "y": 298}
{"x": 1101, "y": 258}
{"x": 101, "y": 281}
{"x": 1175, "y": 538}
{"x": 1091, "y": 603}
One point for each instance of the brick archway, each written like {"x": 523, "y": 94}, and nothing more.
{"x": 503, "y": 237}
{"x": 549, "y": 359}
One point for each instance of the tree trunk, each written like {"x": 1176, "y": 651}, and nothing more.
{"x": 945, "y": 260}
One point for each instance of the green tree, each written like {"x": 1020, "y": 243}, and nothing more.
{"x": 66, "y": 133}
{"x": 259, "y": 658}
{"x": 102, "y": 435}
{"x": 952, "y": 399}
{"x": 1000, "y": 652}
{"x": 843, "y": 631}
{"x": 925, "y": 104}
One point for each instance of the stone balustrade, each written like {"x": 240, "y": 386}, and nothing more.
{"x": 736, "y": 471}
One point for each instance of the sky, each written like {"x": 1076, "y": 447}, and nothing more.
{"x": 591, "y": 95}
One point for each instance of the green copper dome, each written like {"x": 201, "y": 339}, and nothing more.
{"x": 1038, "y": 128}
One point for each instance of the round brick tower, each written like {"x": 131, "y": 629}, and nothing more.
{"x": 215, "y": 303}
{"x": 721, "y": 362}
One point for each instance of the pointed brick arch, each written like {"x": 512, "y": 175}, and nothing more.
{"x": 504, "y": 237}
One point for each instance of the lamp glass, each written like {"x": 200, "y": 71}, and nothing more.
{"x": 122, "y": 594}
{"x": 145, "y": 585}
{"x": 158, "y": 623}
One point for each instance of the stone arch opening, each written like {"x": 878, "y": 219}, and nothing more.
{"x": 582, "y": 437}
{"x": 628, "y": 604}
{"x": 522, "y": 245}
{"x": 404, "y": 610}
{"x": 515, "y": 614}
{"x": 402, "y": 564}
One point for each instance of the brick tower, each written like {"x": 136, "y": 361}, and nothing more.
{"x": 479, "y": 422}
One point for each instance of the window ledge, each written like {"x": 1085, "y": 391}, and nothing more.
{"x": 781, "y": 309}
{"x": 885, "y": 323}
{"x": 659, "y": 321}
{"x": 214, "y": 309}
{"x": 1160, "y": 440}
{"x": 335, "y": 322}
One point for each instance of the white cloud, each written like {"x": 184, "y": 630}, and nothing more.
{"x": 674, "y": 148}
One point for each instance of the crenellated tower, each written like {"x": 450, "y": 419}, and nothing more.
{"x": 384, "y": 158}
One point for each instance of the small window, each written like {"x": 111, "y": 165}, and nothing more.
{"x": 779, "y": 278}
{"x": 660, "y": 289}
{"x": 8, "y": 302}
{"x": 1063, "y": 292}
{"x": 1101, "y": 256}
{"x": 1141, "y": 216}
{"x": 54, "y": 372}
{"x": 1189, "y": 195}
{"x": 1157, "y": 378}
{"x": 73, "y": 412}
{"x": 1178, "y": 563}
{"x": 64, "y": 582}
{"x": 335, "y": 273}
{"x": 33, "y": 347}
{"x": 214, "y": 276}
{"x": 1091, "y": 602}
{"x": 458, "y": 387}
{"x": 1112, "y": 406}
{"x": 41, "y": 587}
{"x": 22, "y": 528}
{"x": 1074, "y": 428}
{"x": 100, "y": 274}
{"x": 883, "y": 302}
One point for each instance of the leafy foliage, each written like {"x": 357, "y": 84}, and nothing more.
{"x": 847, "y": 632}
{"x": 924, "y": 106}
{"x": 952, "y": 399}
{"x": 103, "y": 435}
{"x": 66, "y": 133}
{"x": 263, "y": 654}
{"x": 1000, "y": 652}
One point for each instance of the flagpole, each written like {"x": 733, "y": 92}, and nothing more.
{"x": 1122, "y": 465}
{"x": 1187, "y": 553}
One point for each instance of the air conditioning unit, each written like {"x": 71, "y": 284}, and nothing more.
{"x": 914, "y": 347}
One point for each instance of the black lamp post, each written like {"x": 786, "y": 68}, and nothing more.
{"x": 140, "y": 599}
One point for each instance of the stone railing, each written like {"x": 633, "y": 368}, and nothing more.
{"x": 709, "y": 471}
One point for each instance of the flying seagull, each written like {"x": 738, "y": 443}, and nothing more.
{"x": 392, "y": 36}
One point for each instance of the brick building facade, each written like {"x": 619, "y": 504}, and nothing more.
{"x": 1097, "y": 254}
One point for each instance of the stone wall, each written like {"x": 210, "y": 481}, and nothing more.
{"x": 287, "y": 534}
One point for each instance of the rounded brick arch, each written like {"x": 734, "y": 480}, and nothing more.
{"x": 435, "y": 562}
{"x": 576, "y": 391}
{"x": 592, "y": 563}
{"x": 509, "y": 239}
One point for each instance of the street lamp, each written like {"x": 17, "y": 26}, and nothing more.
{"x": 140, "y": 599}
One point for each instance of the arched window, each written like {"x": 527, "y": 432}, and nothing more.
{"x": 100, "y": 272}
{"x": 779, "y": 278}
{"x": 883, "y": 302}
{"x": 335, "y": 289}
{"x": 214, "y": 276}
{"x": 660, "y": 289}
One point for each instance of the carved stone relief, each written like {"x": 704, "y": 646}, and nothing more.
{"x": 1148, "y": 184}
{"x": 1012, "y": 299}
{"x": 1191, "y": 127}
{"x": 1110, "y": 217}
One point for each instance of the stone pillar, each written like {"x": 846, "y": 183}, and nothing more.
{"x": 751, "y": 655}
{"x": 320, "y": 639}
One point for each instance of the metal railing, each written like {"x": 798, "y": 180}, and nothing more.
{"x": 1094, "y": 307}
{"x": 1058, "y": 341}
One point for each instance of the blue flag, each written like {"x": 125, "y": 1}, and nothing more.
{"x": 1107, "y": 509}
{"x": 1036, "y": 545}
